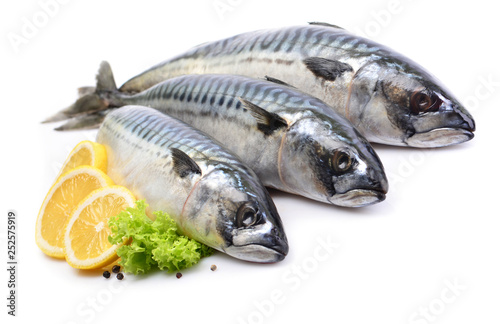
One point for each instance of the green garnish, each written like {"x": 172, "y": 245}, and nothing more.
{"x": 154, "y": 244}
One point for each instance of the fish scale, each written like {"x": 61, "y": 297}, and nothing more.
{"x": 213, "y": 197}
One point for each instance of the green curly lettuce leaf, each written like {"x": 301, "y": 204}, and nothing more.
{"x": 154, "y": 244}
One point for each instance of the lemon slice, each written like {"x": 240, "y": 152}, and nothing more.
{"x": 85, "y": 153}
{"x": 64, "y": 195}
{"x": 86, "y": 235}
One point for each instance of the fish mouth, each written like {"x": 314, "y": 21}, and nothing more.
{"x": 357, "y": 198}
{"x": 259, "y": 253}
{"x": 440, "y": 137}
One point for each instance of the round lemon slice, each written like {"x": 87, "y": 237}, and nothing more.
{"x": 86, "y": 235}
{"x": 64, "y": 195}
{"x": 85, "y": 153}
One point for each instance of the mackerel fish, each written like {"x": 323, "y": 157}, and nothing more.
{"x": 213, "y": 197}
{"x": 389, "y": 98}
{"x": 293, "y": 142}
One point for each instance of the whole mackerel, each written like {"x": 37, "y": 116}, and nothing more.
{"x": 213, "y": 197}
{"x": 389, "y": 98}
{"x": 293, "y": 142}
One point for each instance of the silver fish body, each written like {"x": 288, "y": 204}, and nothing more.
{"x": 389, "y": 98}
{"x": 213, "y": 197}
{"x": 294, "y": 142}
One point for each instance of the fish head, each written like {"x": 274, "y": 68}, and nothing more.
{"x": 331, "y": 162}
{"x": 406, "y": 106}
{"x": 233, "y": 213}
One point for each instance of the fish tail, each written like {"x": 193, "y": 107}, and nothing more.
{"x": 89, "y": 109}
{"x": 82, "y": 91}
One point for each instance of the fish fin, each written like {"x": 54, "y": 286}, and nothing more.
{"x": 91, "y": 121}
{"x": 183, "y": 163}
{"x": 82, "y": 91}
{"x": 327, "y": 69}
{"x": 267, "y": 122}
{"x": 319, "y": 23}
{"x": 105, "y": 79}
{"x": 278, "y": 81}
{"x": 92, "y": 99}
{"x": 86, "y": 104}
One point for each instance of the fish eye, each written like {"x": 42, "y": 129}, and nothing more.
{"x": 341, "y": 161}
{"x": 422, "y": 102}
{"x": 248, "y": 215}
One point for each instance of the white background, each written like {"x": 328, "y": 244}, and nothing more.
{"x": 393, "y": 262}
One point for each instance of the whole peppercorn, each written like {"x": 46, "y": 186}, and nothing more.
{"x": 106, "y": 274}
{"x": 116, "y": 268}
{"x": 213, "y": 267}
{"x": 178, "y": 275}
{"x": 119, "y": 276}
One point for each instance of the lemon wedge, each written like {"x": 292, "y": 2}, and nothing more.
{"x": 85, "y": 153}
{"x": 64, "y": 195}
{"x": 86, "y": 242}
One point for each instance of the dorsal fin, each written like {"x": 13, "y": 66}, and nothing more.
{"x": 325, "y": 68}
{"x": 277, "y": 81}
{"x": 267, "y": 122}
{"x": 183, "y": 164}
{"x": 319, "y": 23}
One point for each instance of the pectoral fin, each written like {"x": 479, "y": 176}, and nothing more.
{"x": 183, "y": 164}
{"x": 327, "y": 69}
{"x": 267, "y": 122}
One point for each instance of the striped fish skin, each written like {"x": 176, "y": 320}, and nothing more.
{"x": 388, "y": 97}
{"x": 317, "y": 154}
{"x": 213, "y": 197}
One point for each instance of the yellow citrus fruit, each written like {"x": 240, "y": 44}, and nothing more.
{"x": 86, "y": 153}
{"x": 86, "y": 235}
{"x": 64, "y": 195}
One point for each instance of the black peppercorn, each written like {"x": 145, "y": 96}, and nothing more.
{"x": 178, "y": 275}
{"x": 106, "y": 274}
{"x": 119, "y": 276}
{"x": 116, "y": 268}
